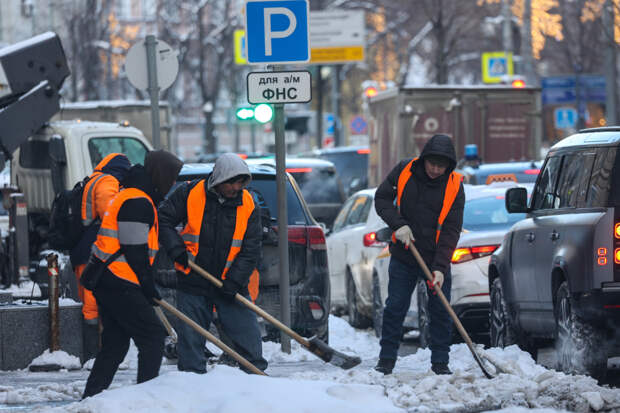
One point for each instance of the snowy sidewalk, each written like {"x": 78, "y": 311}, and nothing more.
{"x": 301, "y": 383}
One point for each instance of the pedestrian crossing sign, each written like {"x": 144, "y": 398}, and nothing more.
{"x": 496, "y": 66}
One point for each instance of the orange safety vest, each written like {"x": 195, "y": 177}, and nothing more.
{"x": 196, "y": 202}
{"x": 89, "y": 213}
{"x": 107, "y": 242}
{"x": 452, "y": 190}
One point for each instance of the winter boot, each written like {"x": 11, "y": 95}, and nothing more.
{"x": 440, "y": 368}
{"x": 385, "y": 366}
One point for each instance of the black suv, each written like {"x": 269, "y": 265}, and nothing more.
{"x": 309, "y": 276}
{"x": 351, "y": 163}
{"x": 556, "y": 275}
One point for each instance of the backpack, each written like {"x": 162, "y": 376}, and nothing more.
{"x": 66, "y": 228}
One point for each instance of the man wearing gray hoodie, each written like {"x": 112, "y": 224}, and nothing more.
{"x": 221, "y": 233}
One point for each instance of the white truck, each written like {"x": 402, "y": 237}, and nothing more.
{"x": 46, "y": 156}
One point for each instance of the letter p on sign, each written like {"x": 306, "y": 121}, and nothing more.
{"x": 277, "y": 31}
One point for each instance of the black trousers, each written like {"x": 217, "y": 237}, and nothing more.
{"x": 125, "y": 314}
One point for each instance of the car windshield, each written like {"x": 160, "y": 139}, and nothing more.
{"x": 352, "y": 168}
{"x": 488, "y": 213}
{"x": 318, "y": 185}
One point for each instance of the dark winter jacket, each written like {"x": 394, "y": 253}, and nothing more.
{"x": 421, "y": 204}
{"x": 216, "y": 235}
{"x": 139, "y": 211}
{"x": 118, "y": 167}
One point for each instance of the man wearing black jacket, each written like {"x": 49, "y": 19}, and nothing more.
{"x": 222, "y": 233}
{"x": 422, "y": 201}
{"x": 126, "y": 291}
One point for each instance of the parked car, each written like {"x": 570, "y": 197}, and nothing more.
{"x": 556, "y": 275}
{"x": 351, "y": 163}
{"x": 309, "y": 276}
{"x": 351, "y": 249}
{"x": 486, "y": 173}
{"x": 319, "y": 182}
{"x": 485, "y": 222}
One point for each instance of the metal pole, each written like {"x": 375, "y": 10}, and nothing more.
{"x": 52, "y": 270}
{"x": 319, "y": 107}
{"x": 338, "y": 141}
{"x": 579, "y": 101}
{"x": 611, "y": 71}
{"x": 153, "y": 88}
{"x": 285, "y": 307}
{"x": 253, "y": 136}
{"x": 507, "y": 27}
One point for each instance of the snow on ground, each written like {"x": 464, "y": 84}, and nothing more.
{"x": 59, "y": 358}
{"x": 301, "y": 383}
{"x": 24, "y": 289}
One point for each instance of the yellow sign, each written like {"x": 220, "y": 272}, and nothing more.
{"x": 496, "y": 66}
{"x": 337, "y": 54}
{"x": 239, "y": 40}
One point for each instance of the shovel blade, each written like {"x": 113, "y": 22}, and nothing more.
{"x": 329, "y": 355}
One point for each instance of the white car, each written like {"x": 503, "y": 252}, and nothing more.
{"x": 352, "y": 248}
{"x": 485, "y": 221}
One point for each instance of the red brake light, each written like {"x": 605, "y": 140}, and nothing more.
{"x": 317, "y": 238}
{"x": 531, "y": 171}
{"x": 461, "y": 255}
{"x": 602, "y": 261}
{"x": 311, "y": 236}
{"x": 363, "y": 151}
{"x": 617, "y": 256}
{"x": 243, "y": 155}
{"x": 298, "y": 170}
{"x": 297, "y": 235}
{"x": 617, "y": 230}
{"x": 370, "y": 239}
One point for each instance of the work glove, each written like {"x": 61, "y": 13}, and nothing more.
{"x": 437, "y": 278}
{"x": 404, "y": 235}
{"x": 182, "y": 259}
{"x": 150, "y": 292}
{"x": 229, "y": 289}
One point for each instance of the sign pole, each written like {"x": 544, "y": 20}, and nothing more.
{"x": 153, "y": 88}
{"x": 285, "y": 305}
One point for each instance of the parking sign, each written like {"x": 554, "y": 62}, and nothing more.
{"x": 277, "y": 31}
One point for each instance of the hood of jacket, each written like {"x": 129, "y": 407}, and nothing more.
{"x": 138, "y": 178}
{"x": 115, "y": 164}
{"x": 440, "y": 145}
{"x": 227, "y": 166}
{"x": 163, "y": 168}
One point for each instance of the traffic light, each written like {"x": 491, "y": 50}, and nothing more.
{"x": 263, "y": 113}
{"x": 245, "y": 113}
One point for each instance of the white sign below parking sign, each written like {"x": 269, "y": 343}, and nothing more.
{"x": 279, "y": 87}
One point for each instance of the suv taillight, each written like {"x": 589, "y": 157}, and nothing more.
{"x": 312, "y": 236}
{"x": 461, "y": 255}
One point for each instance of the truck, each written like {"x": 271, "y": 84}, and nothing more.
{"x": 504, "y": 122}
{"x": 46, "y": 156}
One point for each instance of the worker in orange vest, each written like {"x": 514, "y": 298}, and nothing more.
{"x": 124, "y": 250}
{"x": 422, "y": 201}
{"x": 221, "y": 233}
{"x": 102, "y": 186}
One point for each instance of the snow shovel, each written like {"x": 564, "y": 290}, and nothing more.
{"x": 313, "y": 344}
{"x": 448, "y": 307}
{"x": 210, "y": 337}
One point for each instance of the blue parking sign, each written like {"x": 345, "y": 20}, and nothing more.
{"x": 277, "y": 31}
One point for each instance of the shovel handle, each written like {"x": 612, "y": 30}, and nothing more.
{"x": 283, "y": 327}
{"x": 448, "y": 308}
{"x": 211, "y": 337}
{"x": 166, "y": 323}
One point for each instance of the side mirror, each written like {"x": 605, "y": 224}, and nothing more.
{"x": 384, "y": 234}
{"x": 516, "y": 200}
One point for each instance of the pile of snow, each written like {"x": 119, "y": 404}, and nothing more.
{"x": 59, "y": 358}
{"x": 225, "y": 389}
{"x": 24, "y": 289}
{"x": 50, "y": 392}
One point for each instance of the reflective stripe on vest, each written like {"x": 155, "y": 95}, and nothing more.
{"x": 452, "y": 190}
{"x": 88, "y": 199}
{"x": 196, "y": 202}
{"x": 107, "y": 242}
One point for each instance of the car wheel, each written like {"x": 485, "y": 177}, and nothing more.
{"x": 424, "y": 319}
{"x": 579, "y": 345}
{"x": 502, "y": 330}
{"x": 377, "y": 306}
{"x": 356, "y": 319}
